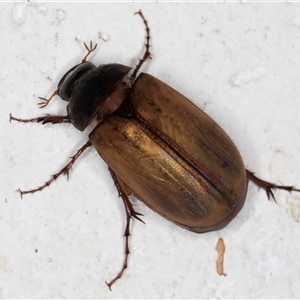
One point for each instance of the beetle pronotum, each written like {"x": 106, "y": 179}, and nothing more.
{"x": 186, "y": 167}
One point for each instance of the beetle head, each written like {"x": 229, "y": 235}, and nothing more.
{"x": 93, "y": 92}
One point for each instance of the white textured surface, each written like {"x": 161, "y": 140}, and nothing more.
{"x": 240, "y": 62}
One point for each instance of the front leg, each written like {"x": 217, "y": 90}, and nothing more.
{"x": 45, "y": 119}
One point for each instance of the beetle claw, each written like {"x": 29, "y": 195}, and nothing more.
{"x": 109, "y": 285}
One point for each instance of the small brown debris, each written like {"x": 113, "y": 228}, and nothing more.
{"x": 220, "y": 261}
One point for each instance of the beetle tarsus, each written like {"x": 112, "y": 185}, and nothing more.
{"x": 12, "y": 118}
{"x": 64, "y": 171}
{"x": 147, "y": 53}
{"x": 126, "y": 253}
{"x": 131, "y": 214}
{"x": 45, "y": 119}
{"x": 269, "y": 187}
{"x": 89, "y": 49}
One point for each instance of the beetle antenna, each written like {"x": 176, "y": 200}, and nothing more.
{"x": 89, "y": 49}
{"x": 46, "y": 101}
{"x": 147, "y": 53}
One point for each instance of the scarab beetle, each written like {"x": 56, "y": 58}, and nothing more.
{"x": 159, "y": 146}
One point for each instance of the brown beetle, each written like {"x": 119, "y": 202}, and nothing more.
{"x": 159, "y": 146}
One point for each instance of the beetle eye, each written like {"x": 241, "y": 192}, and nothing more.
{"x": 68, "y": 81}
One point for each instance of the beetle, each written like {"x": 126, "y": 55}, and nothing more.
{"x": 158, "y": 145}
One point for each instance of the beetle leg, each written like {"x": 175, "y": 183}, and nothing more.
{"x": 268, "y": 186}
{"x": 45, "y": 119}
{"x": 65, "y": 171}
{"x": 147, "y": 45}
{"x": 130, "y": 214}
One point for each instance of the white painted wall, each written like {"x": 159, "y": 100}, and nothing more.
{"x": 240, "y": 62}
